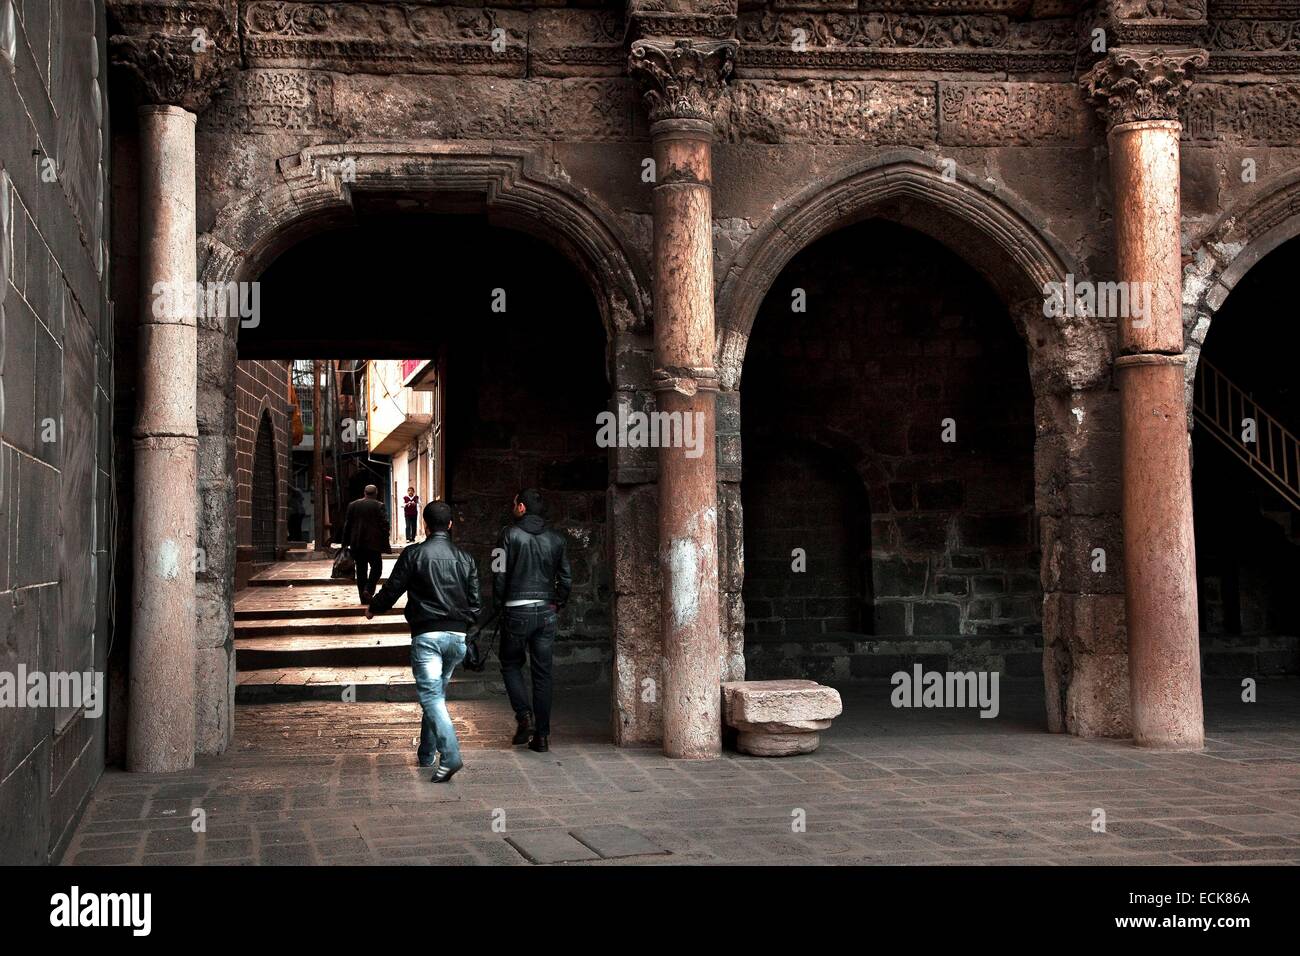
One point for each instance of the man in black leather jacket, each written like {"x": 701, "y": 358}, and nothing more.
{"x": 530, "y": 583}
{"x": 442, "y": 602}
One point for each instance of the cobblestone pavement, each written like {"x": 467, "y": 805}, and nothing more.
{"x": 337, "y": 783}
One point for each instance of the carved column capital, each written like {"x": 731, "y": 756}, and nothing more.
{"x": 1130, "y": 86}
{"x": 682, "y": 79}
{"x": 180, "y": 52}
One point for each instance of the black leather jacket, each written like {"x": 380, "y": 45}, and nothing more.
{"x": 537, "y": 565}
{"x": 441, "y": 585}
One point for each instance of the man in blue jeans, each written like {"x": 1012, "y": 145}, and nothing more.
{"x": 442, "y": 602}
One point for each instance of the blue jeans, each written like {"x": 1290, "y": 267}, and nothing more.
{"x": 434, "y": 657}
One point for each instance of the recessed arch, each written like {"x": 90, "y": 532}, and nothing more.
{"x": 982, "y": 222}
{"x": 1069, "y": 372}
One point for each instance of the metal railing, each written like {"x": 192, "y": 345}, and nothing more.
{"x": 1222, "y": 408}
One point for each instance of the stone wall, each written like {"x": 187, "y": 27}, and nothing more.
{"x": 844, "y": 409}
{"x": 261, "y": 386}
{"x": 988, "y": 86}
{"x": 56, "y": 512}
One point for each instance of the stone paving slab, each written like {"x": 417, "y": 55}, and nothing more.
{"x": 614, "y": 840}
{"x": 330, "y": 782}
{"x": 551, "y": 846}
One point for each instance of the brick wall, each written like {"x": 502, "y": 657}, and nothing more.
{"x": 261, "y": 386}
{"x": 908, "y": 539}
{"x": 56, "y": 519}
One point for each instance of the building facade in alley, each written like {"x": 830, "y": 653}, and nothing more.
{"x": 973, "y": 304}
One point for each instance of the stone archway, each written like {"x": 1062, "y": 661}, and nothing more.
{"x": 313, "y": 193}
{"x": 1076, "y": 415}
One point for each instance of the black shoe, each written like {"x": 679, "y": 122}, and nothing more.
{"x": 539, "y": 743}
{"x": 524, "y": 730}
{"x": 443, "y": 774}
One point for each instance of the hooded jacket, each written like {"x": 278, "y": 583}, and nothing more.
{"x": 536, "y": 566}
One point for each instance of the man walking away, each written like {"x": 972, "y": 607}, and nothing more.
{"x": 365, "y": 533}
{"x": 529, "y": 592}
{"x": 442, "y": 602}
{"x": 410, "y": 509}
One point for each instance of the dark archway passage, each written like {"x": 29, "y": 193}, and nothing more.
{"x": 265, "y": 493}
{"x": 925, "y": 545}
{"x": 517, "y": 338}
{"x": 1247, "y": 514}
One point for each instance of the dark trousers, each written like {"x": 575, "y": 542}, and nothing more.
{"x": 410, "y": 527}
{"x": 529, "y": 629}
{"x": 370, "y": 564}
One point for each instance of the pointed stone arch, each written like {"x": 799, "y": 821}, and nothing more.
{"x": 982, "y": 222}
{"x": 1085, "y": 644}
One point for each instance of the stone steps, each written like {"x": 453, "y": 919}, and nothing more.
{"x": 350, "y": 624}
{"x": 302, "y": 636}
{"x": 373, "y": 683}
{"x": 322, "y": 650}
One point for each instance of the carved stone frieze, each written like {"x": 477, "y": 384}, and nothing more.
{"x": 385, "y": 37}
{"x": 1015, "y": 8}
{"x": 178, "y": 52}
{"x": 1154, "y": 22}
{"x": 1006, "y": 114}
{"x": 1243, "y": 115}
{"x": 570, "y": 42}
{"x": 1256, "y": 36}
{"x": 1257, "y": 9}
{"x": 1128, "y": 85}
{"x": 836, "y": 111}
{"x": 446, "y": 107}
{"x": 885, "y": 40}
{"x": 1158, "y": 9}
{"x": 270, "y": 101}
{"x": 682, "y": 79}
{"x": 715, "y": 20}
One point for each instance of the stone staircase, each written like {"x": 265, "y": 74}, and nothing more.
{"x": 300, "y": 635}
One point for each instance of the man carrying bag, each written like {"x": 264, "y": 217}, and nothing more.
{"x": 442, "y": 603}
{"x": 365, "y": 536}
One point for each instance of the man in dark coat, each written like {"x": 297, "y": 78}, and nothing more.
{"x": 533, "y": 583}
{"x": 365, "y": 534}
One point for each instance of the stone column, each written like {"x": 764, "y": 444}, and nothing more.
{"x": 683, "y": 79}
{"x": 177, "y": 56}
{"x": 160, "y": 724}
{"x": 1139, "y": 92}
